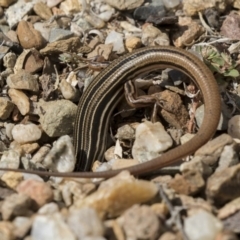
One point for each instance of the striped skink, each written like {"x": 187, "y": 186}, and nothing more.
{"x": 104, "y": 92}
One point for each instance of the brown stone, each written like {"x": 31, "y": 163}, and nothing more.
{"x": 192, "y": 7}
{"x": 21, "y": 100}
{"x": 28, "y": 36}
{"x": 7, "y": 230}
{"x": 30, "y": 61}
{"x": 12, "y": 179}
{"x": 62, "y": 46}
{"x": 188, "y": 31}
{"x": 42, "y": 10}
{"x": 229, "y": 209}
{"x": 6, "y": 108}
{"x": 117, "y": 194}
{"x": 30, "y": 147}
{"x": 190, "y": 183}
{"x": 23, "y": 80}
{"x": 39, "y": 191}
{"x": 173, "y": 111}
{"x": 6, "y": 3}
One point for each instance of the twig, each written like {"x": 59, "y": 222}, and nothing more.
{"x": 204, "y": 23}
{"x": 174, "y": 212}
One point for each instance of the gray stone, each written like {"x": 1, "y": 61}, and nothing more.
{"x": 23, "y": 80}
{"x": 59, "y": 34}
{"x": 57, "y": 117}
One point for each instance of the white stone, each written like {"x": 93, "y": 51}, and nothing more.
{"x": 61, "y": 157}
{"x": 105, "y": 16}
{"x": 22, "y": 226}
{"x": 10, "y": 159}
{"x": 49, "y": 208}
{"x": 129, "y": 27}
{"x": 9, "y": 127}
{"x": 16, "y": 12}
{"x": 171, "y": 3}
{"x": 105, "y": 11}
{"x": 124, "y": 4}
{"x": 151, "y": 141}
{"x": 43, "y": 28}
{"x": 118, "y": 151}
{"x": 117, "y": 40}
{"x": 53, "y": 3}
{"x": 91, "y": 224}
{"x": 229, "y": 157}
{"x": 202, "y": 226}
{"x": 25, "y": 133}
{"x": 51, "y": 227}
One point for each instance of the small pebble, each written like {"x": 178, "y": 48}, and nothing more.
{"x": 24, "y": 81}
{"x": 52, "y": 112}
{"x": 39, "y": 191}
{"x": 117, "y": 40}
{"x": 9, "y": 60}
{"x": 10, "y": 159}
{"x": 151, "y": 141}
{"x": 233, "y": 127}
{"x": 28, "y": 36}
{"x": 21, "y": 100}
{"x": 26, "y": 133}
{"x": 16, "y": 205}
{"x": 61, "y": 158}
{"x": 91, "y": 225}
{"x": 202, "y": 226}
{"x": 51, "y": 227}
{"x": 6, "y": 108}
